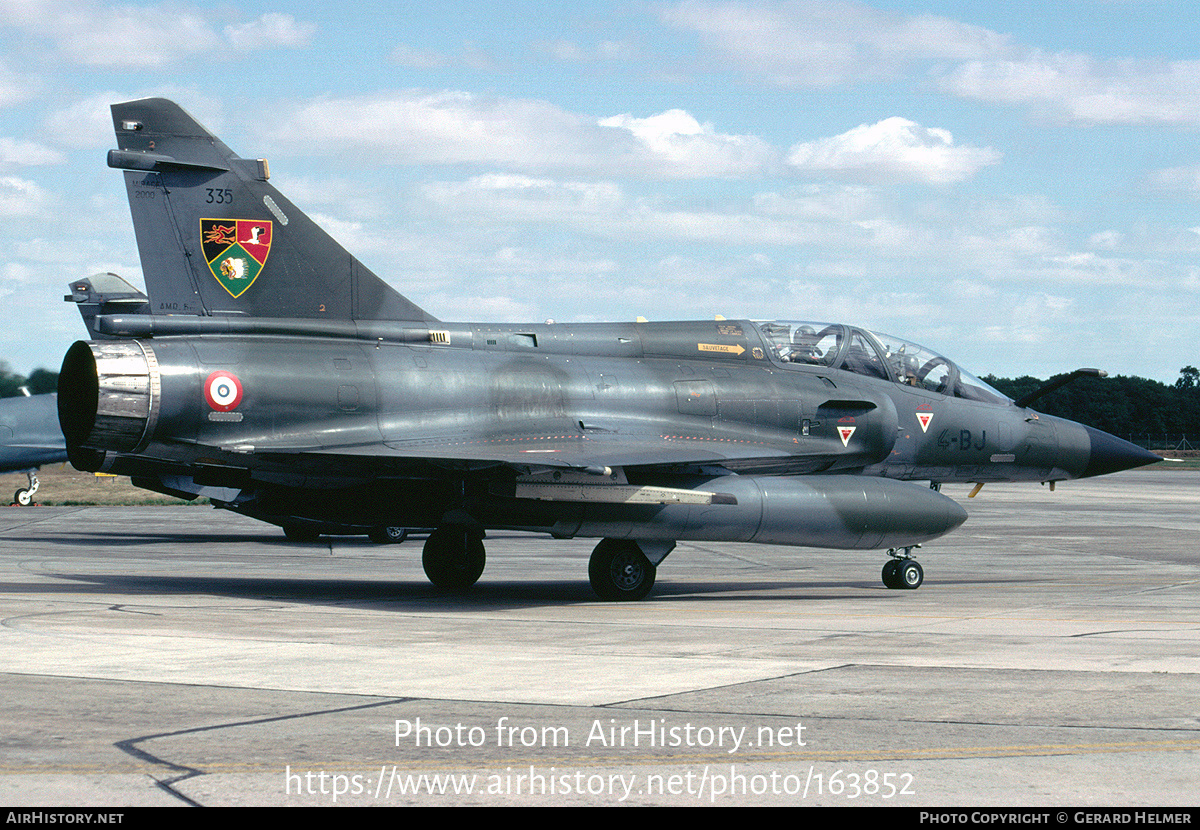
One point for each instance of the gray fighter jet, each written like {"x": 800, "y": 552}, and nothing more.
{"x": 29, "y": 438}
{"x": 272, "y": 372}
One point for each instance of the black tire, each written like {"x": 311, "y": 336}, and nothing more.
{"x": 910, "y": 575}
{"x": 619, "y": 571}
{"x": 23, "y": 497}
{"x": 889, "y": 573}
{"x": 453, "y": 558}
{"x": 388, "y": 535}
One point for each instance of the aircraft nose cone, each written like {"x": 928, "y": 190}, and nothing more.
{"x": 1111, "y": 454}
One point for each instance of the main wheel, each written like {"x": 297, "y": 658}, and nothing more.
{"x": 618, "y": 570}
{"x": 389, "y": 535}
{"x": 453, "y": 558}
{"x": 23, "y": 497}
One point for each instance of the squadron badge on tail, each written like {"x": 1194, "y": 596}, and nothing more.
{"x": 236, "y": 251}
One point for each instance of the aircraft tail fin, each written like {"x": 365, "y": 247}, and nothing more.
{"x": 215, "y": 238}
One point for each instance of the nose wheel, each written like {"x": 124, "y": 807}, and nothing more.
{"x": 902, "y": 571}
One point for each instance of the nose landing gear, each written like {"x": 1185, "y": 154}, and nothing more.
{"x": 902, "y": 571}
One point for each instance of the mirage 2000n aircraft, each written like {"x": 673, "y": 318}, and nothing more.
{"x": 272, "y": 372}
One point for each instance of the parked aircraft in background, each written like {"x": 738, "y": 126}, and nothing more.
{"x": 30, "y": 438}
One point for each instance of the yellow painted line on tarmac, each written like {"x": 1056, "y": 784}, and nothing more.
{"x": 620, "y": 757}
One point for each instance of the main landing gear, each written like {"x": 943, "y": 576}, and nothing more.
{"x": 902, "y": 571}
{"x": 618, "y": 570}
{"x": 453, "y": 557}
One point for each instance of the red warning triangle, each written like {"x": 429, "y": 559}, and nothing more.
{"x": 845, "y": 433}
{"x": 924, "y": 419}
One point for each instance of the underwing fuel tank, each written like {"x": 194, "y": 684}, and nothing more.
{"x": 835, "y": 511}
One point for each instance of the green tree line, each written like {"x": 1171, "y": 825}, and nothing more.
{"x": 38, "y": 382}
{"x": 1119, "y": 405}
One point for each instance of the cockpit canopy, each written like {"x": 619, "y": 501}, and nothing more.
{"x": 874, "y": 355}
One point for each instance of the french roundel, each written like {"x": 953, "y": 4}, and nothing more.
{"x": 223, "y": 391}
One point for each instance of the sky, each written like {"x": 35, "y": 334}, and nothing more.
{"x": 1013, "y": 185}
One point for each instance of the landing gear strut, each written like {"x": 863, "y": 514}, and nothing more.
{"x": 618, "y": 570}
{"x": 902, "y": 571}
{"x": 453, "y": 557}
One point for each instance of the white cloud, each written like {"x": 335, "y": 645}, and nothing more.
{"x": 1090, "y": 269}
{"x": 820, "y": 44}
{"x": 271, "y": 29}
{"x": 568, "y": 51}
{"x": 535, "y": 136}
{"x": 1082, "y": 89}
{"x": 84, "y": 123}
{"x": 128, "y": 36}
{"x": 676, "y": 143}
{"x": 15, "y": 87}
{"x": 821, "y": 202}
{"x": 444, "y": 128}
{"x": 27, "y": 153}
{"x": 894, "y": 148}
{"x": 816, "y": 44}
{"x": 470, "y": 55}
{"x": 418, "y": 58}
{"x": 1107, "y": 240}
{"x": 1176, "y": 180}
{"x": 521, "y": 134}
{"x": 124, "y": 36}
{"x": 604, "y": 210}
{"x": 510, "y": 197}
{"x": 21, "y": 197}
